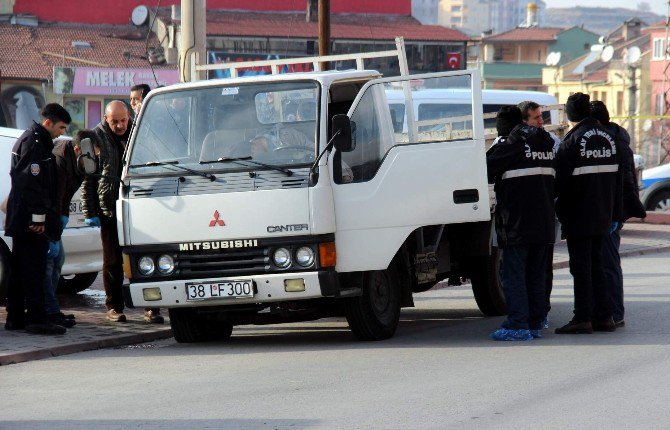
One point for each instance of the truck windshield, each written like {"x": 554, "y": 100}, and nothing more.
{"x": 273, "y": 124}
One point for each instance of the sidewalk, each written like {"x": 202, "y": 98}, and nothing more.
{"x": 93, "y": 331}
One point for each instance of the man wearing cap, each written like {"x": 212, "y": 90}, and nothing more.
{"x": 521, "y": 165}
{"x": 588, "y": 190}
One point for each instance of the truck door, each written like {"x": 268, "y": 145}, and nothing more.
{"x": 413, "y": 164}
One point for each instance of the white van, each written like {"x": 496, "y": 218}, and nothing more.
{"x": 443, "y": 103}
{"x": 83, "y": 248}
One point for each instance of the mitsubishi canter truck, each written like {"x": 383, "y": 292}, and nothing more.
{"x": 291, "y": 197}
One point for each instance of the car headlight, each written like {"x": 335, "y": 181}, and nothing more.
{"x": 146, "y": 265}
{"x": 165, "y": 264}
{"x": 304, "y": 256}
{"x": 282, "y": 258}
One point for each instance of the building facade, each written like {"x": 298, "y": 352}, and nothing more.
{"x": 469, "y": 16}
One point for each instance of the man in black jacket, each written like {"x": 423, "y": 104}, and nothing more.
{"x": 588, "y": 188}
{"x": 521, "y": 164}
{"x": 32, "y": 221}
{"x": 632, "y": 207}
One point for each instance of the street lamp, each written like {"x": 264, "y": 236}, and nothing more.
{"x": 631, "y": 58}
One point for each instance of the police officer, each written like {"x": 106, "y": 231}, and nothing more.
{"x": 588, "y": 188}
{"x": 32, "y": 221}
{"x": 521, "y": 164}
{"x": 631, "y": 207}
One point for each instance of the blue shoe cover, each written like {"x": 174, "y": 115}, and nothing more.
{"x": 545, "y": 323}
{"x": 512, "y": 335}
{"x": 537, "y": 334}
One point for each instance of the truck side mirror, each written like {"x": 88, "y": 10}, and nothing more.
{"x": 86, "y": 161}
{"x": 341, "y": 128}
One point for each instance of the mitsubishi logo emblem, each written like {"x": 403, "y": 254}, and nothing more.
{"x": 216, "y": 221}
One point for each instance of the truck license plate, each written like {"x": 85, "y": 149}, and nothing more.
{"x": 219, "y": 290}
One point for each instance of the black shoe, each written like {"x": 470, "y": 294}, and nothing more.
{"x": 575, "y": 327}
{"x": 45, "y": 328}
{"x": 60, "y": 319}
{"x": 153, "y": 316}
{"x": 66, "y": 316}
{"x": 619, "y": 323}
{"x": 606, "y": 324}
{"x": 14, "y": 325}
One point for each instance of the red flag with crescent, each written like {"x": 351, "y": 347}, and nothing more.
{"x": 453, "y": 61}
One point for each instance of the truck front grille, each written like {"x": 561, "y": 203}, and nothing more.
{"x": 228, "y": 263}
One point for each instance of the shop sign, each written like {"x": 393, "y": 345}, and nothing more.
{"x": 108, "y": 81}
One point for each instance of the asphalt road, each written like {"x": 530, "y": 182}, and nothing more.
{"x": 440, "y": 371}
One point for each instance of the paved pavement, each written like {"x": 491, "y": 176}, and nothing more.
{"x": 94, "y": 332}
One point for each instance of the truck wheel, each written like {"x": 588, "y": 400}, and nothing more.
{"x": 375, "y": 314}
{"x": 4, "y": 271}
{"x": 76, "y": 283}
{"x": 188, "y": 326}
{"x": 660, "y": 202}
{"x": 486, "y": 284}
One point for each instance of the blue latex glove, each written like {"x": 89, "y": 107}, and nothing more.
{"x": 64, "y": 220}
{"x": 92, "y": 222}
{"x": 54, "y": 249}
{"x": 614, "y": 227}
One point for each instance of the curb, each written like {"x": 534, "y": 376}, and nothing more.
{"x": 109, "y": 342}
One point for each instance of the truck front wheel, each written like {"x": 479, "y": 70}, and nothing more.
{"x": 486, "y": 285}
{"x": 189, "y": 326}
{"x": 375, "y": 314}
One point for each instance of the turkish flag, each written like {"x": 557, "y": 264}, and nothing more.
{"x": 453, "y": 61}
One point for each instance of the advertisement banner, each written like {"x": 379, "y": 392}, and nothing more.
{"x": 108, "y": 81}
{"x": 234, "y": 57}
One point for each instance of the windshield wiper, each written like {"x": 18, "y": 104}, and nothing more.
{"x": 175, "y": 163}
{"x": 237, "y": 160}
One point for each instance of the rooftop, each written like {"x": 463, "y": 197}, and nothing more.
{"x": 532, "y": 34}
{"x": 32, "y": 52}
{"x": 343, "y": 26}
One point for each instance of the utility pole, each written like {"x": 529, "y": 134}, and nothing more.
{"x": 324, "y": 30}
{"x": 632, "y": 103}
{"x": 193, "y": 36}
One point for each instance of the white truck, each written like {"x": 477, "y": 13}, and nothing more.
{"x": 292, "y": 197}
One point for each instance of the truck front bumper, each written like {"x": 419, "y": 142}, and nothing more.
{"x": 268, "y": 288}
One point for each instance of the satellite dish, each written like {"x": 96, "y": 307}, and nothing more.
{"x": 602, "y": 40}
{"x": 647, "y": 124}
{"x": 607, "y": 54}
{"x": 633, "y": 55}
{"x": 553, "y": 59}
{"x": 140, "y": 15}
{"x": 597, "y": 47}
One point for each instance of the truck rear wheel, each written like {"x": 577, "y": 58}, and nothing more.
{"x": 189, "y": 326}
{"x": 375, "y": 314}
{"x": 486, "y": 285}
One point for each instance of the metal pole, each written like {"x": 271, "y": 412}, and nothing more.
{"x": 193, "y": 36}
{"x": 324, "y": 30}
{"x": 632, "y": 104}
{"x": 663, "y": 86}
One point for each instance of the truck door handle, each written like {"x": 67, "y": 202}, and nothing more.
{"x": 466, "y": 196}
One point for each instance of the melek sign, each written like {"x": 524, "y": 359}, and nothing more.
{"x": 108, "y": 81}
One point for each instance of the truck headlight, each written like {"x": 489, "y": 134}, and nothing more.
{"x": 165, "y": 264}
{"x": 146, "y": 265}
{"x": 304, "y": 256}
{"x": 282, "y": 258}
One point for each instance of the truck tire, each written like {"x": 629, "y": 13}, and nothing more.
{"x": 486, "y": 284}
{"x": 659, "y": 202}
{"x": 76, "y": 283}
{"x": 188, "y": 326}
{"x": 374, "y": 315}
{"x": 4, "y": 271}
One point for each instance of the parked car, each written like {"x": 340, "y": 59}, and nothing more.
{"x": 655, "y": 188}
{"x": 83, "y": 249}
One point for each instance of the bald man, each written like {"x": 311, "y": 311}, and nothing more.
{"x": 99, "y": 197}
